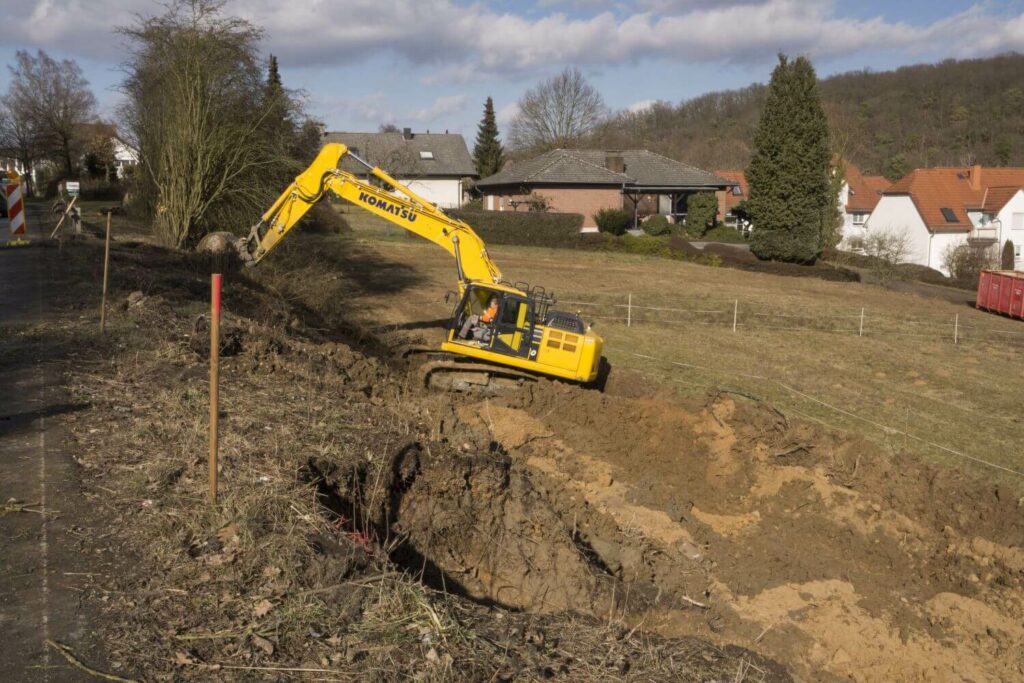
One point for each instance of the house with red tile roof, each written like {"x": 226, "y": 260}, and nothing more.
{"x": 858, "y": 197}
{"x": 939, "y": 208}
{"x": 730, "y": 198}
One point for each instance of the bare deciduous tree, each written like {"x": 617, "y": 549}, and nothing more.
{"x": 195, "y": 109}
{"x": 18, "y": 140}
{"x": 557, "y": 112}
{"x": 54, "y": 99}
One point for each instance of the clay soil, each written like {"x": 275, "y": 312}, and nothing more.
{"x": 370, "y": 529}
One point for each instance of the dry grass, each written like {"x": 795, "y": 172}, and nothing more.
{"x": 904, "y": 373}
{"x": 273, "y": 581}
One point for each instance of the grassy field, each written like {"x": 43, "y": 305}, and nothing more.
{"x": 797, "y": 343}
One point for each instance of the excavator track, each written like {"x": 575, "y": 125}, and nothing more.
{"x": 448, "y": 372}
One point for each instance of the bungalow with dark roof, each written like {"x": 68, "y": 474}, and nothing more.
{"x": 585, "y": 181}
{"x": 433, "y": 165}
{"x": 939, "y": 208}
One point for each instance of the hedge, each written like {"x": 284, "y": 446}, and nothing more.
{"x": 529, "y": 228}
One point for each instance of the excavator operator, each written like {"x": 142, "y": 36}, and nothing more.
{"x": 477, "y": 327}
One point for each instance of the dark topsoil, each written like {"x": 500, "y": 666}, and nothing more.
{"x": 369, "y": 529}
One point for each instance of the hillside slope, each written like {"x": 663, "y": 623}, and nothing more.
{"x": 951, "y": 113}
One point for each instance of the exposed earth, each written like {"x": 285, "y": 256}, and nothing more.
{"x": 370, "y": 528}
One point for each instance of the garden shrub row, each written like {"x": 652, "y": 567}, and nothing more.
{"x": 526, "y": 228}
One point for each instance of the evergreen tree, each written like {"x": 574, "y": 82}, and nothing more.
{"x": 487, "y": 153}
{"x": 789, "y": 170}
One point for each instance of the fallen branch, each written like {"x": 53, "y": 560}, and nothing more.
{"x": 694, "y": 602}
{"x": 13, "y": 505}
{"x": 77, "y": 663}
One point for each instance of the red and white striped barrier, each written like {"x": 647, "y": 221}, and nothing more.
{"x": 15, "y": 203}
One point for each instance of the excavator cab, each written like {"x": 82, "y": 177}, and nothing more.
{"x": 524, "y": 334}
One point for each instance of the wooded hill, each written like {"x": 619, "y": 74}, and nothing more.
{"x": 951, "y": 113}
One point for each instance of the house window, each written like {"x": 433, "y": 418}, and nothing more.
{"x": 426, "y": 155}
{"x": 949, "y": 215}
{"x": 860, "y": 218}
{"x": 737, "y": 191}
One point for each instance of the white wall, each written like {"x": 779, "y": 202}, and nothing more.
{"x": 1007, "y": 231}
{"x": 446, "y": 193}
{"x": 898, "y": 215}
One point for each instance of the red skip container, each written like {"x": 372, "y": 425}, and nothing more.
{"x": 1002, "y": 291}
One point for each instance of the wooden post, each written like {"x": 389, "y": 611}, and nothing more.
{"x": 629, "y": 310}
{"x": 861, "y": 334}
{"x": 735, "y": 315}
{"x": 956, "y": 329}
{"x": 106, "y": 268}
{"x": 214, "y": 379}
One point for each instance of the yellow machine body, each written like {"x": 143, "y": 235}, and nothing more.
{"x": 526, "y": 335}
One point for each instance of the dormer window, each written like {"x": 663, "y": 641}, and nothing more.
{"x": 426, "y": 155}
{"x": 949, "y": 215}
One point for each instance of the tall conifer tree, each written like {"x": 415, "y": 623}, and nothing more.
{"x": 488, "y": 153}
{"x": 789, "y": 170}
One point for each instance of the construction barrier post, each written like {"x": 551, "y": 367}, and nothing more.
{"x": 14, "y": 189}
{"x": 106, "y": 268}
{"x": 629, "y": 310}
{"x": 861, "y": 334}
{"x": 735, "y": 315}
{"x": 214, "y": 379}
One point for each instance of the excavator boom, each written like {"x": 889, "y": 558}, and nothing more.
{"x": 387, "y": 198}
{"x": 521, "y": 335}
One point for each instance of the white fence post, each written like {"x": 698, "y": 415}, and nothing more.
{"x": 735, "y": 314}
{"x": 629, "y": 311}
{"x": 956, "y": 329}
{"x": 861, "y": 334}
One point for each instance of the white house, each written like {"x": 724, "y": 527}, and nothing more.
{"x": 937, "y": 208}
{"x": 858, "y": 197}
{"x": 124, "y": 156}
{"x": 433, "y": 165}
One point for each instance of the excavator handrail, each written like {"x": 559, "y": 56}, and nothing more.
{"x": 401, "y": 206}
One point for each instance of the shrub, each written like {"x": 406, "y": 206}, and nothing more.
{"x": 701, "y": 209}
{"x": 530, "y": 229}
{"x": 613, "y": 221}
{"x": 657, "y": 225}
{"x": 723, "y": 233}
{"x": 965, "y": 262}
{"x": 1008, "y": 261}
{"x": 538, "y": 203}
{"x": 887, "y": 250}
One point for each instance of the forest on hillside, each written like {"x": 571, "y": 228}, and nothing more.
{"x": 950, "y": 113}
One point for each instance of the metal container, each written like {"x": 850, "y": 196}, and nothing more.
{"x": 1001, "y": 291}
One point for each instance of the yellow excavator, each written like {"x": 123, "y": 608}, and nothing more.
{"x": 499, "y": 332}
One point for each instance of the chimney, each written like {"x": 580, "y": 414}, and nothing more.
{"x": 976, "y": 177}
{"x": 407, "y": 133}
{"x": 615, "y": 163}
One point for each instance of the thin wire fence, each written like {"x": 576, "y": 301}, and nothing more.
{"x": 740, "y": 315}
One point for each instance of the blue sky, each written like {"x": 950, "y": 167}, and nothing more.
{"x": 429, "y": 64}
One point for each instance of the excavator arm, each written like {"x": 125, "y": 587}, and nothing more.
{"x": 402, "y": 207}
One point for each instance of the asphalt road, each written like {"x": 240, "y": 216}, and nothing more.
{"x": 46, "y": 572}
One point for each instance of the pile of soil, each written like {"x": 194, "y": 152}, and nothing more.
{"x": 372, "y": 529}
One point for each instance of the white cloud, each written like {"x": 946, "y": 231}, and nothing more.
{"x": 367, "y": 110}
{"x": 441, "y": 107}
{"x": 640, "y": 106}
{"x": 467, "y": 42}
{"x": 504, "y": 115}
